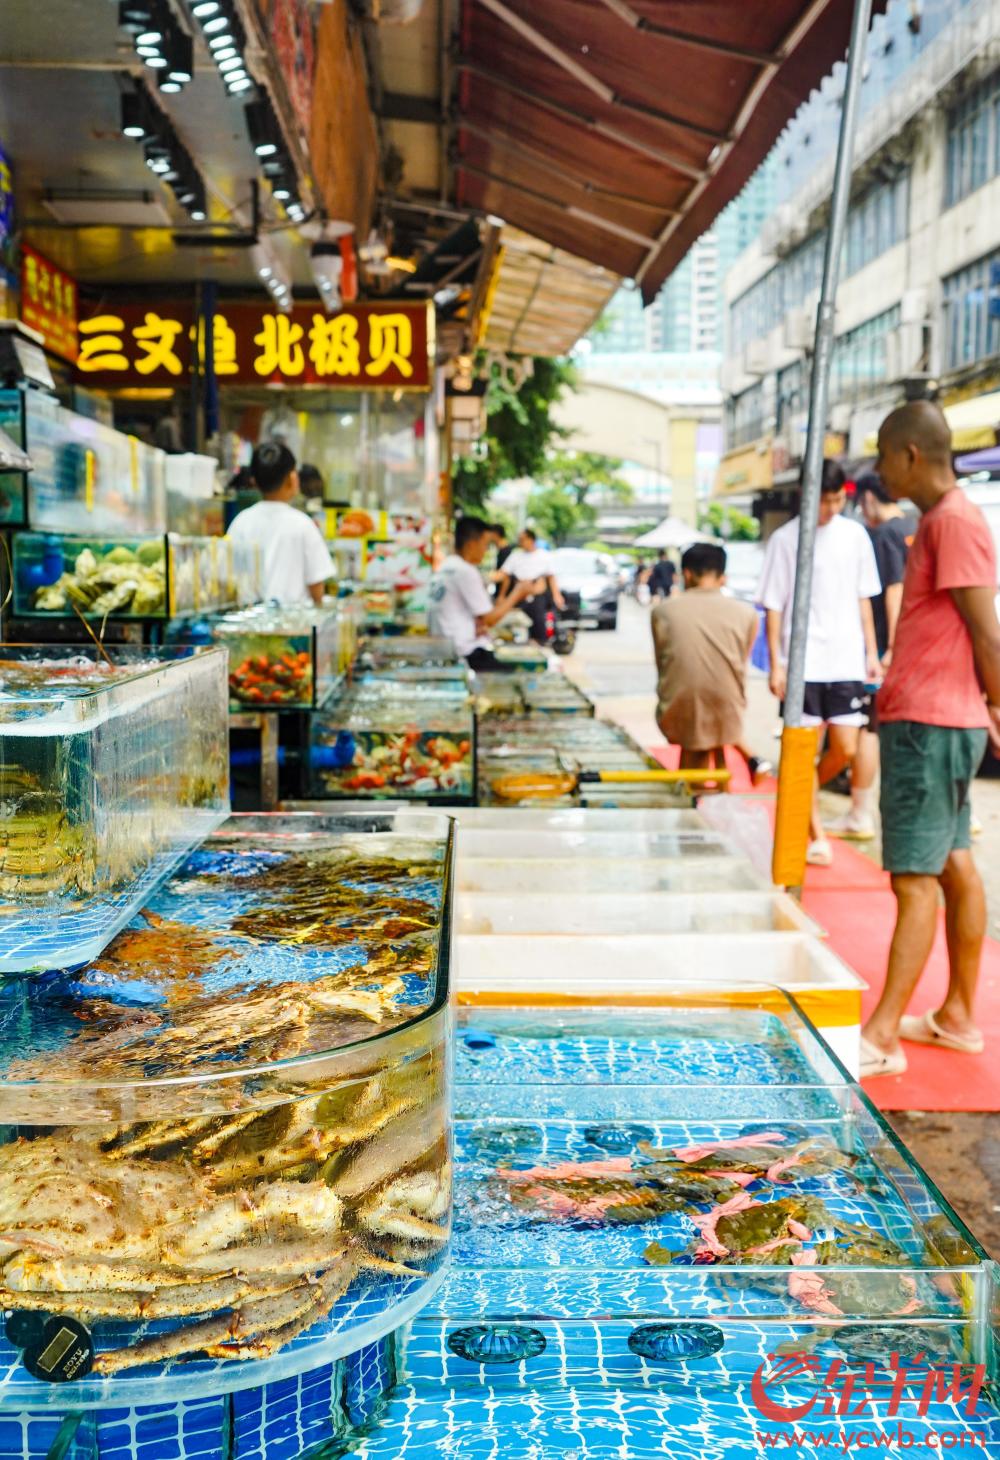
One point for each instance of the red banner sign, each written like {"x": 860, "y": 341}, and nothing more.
{"x": 48, "y": 302}
{"x": 363, "y": 346}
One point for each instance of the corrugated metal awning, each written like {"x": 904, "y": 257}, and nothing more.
{"x": 544, "y": 299}
{"x": 617, "y": 130}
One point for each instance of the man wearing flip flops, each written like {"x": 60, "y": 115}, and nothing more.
{"x": 939, "y": 703}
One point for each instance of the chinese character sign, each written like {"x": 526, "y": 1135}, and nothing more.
{"x": 49, "y": 303}
{"x": 387, "y": 346}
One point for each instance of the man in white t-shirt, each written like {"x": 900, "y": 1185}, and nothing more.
{"x": 460, "y": 608}
{"x": 295, "y": 560}
{"x": 529, "y": 563}
{"x": 841, "y": 653}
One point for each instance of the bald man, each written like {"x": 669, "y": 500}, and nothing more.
{"x": 939, "y": 703}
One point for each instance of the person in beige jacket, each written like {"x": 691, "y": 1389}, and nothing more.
{"x": 703, "y": 639}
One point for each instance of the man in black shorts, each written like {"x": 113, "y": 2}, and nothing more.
{"x": 841, "y": 652}
{"x": 891, "y": 532}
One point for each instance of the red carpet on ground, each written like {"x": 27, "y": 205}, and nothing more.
{"x": 853, "y": 902}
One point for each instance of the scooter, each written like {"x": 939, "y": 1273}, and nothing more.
{"x": 560, "y": 631}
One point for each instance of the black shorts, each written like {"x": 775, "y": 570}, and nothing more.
{"x": 871, "y": 710}
{"x": 839, "y": 703}
{"x": 484, "y": 661}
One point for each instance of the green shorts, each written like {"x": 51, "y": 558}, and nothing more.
{"x": 926, "y": 773}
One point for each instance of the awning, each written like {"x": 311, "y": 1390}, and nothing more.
{"x": 618, "y": 131}
{"x": 974, "y": 423}
{"x": 672, "y": 533}
{"x": 543, "y": 299}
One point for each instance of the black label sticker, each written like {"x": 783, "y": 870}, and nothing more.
{"x": 64, "y": 1350}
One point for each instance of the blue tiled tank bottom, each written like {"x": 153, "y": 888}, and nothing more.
{"x": 285, "y": 1420}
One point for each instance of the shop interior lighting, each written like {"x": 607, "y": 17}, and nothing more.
{"x": 164, "y": 152}
{"x": 159, "y": 41}
{"x": 202, "y": 9}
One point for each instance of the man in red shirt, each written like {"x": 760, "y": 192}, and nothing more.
{"x": 939, "y": 702}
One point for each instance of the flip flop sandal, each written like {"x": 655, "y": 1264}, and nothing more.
{"x": 924, "y": 1029}
{"x": 875, "y": 1061}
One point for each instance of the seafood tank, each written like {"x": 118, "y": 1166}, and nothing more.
{"x": 161, "y": 576}
{"x": 226, "y": 1142}
{"x": 111, "y": 768}
{"x": 517, "y": 693}
{"x": 395, "y": 739}
{"x": 283, "y": 658}
{"x": 674, "y": 1229}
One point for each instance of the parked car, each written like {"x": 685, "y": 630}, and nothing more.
{"x": 590, "y": 585}
{"x": 744, "y": 561}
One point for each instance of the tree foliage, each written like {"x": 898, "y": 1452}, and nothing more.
{"x": 729, "y": 523}
{"x": 520, "y": 430}
{"x": 562, "y": 508}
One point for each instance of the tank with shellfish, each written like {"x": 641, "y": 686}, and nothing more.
{"x": 284, "y": 657}
{"x": 398, "y": 739}
{"x": 113, "y": 763}
{"x": 164, "y": 575}
{"x": 227, "y": 1145}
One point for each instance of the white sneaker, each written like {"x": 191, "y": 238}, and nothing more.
{"x": 852, "y": 828}
{"x": 819, "y": 853}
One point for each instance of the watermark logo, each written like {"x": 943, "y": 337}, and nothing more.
{"x": 870, "y": 1393}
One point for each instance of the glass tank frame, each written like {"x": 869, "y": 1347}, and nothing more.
{"x": 163, "y": 1118}
{"x": 109, "y": 773}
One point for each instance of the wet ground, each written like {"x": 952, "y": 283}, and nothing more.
{"x": 961, "y": 1152}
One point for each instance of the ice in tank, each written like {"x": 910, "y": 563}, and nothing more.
{"x": 109, "y": 772}
{"x": 226, "y": 1142}
{"x": 395, "y": 739}
{"x": 281, "y": 657}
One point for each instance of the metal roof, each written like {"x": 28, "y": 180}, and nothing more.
{"x": 619, "y": 129}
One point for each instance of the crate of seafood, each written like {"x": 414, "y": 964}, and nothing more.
{"x": 225, "y": 1144}
{"x": 156, "y": 577}
{"x": 395, "y": 740}
{"x": 111, "y": 768}
{"x": 283, "y": 657}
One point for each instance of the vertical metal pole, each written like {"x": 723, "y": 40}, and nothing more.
{"x": 822, "y": 356}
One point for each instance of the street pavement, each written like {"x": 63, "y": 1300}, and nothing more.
{"x": 960, "y": 1151}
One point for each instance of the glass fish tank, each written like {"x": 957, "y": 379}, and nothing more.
{"x": 13, "y": 484}
{"x": 425, "y": 650}
{"x": 162, "y": 576}
{"x": 395, "y": 739}
{"x": 281, "y": 657}
{"x": 89, "y": 478}
{"x": 111, "y": 767}
{"x": 498, "y": 694}
{"x": 226, "y": 1146}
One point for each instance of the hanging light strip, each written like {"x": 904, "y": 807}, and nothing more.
{"x": 226, "y": 39}
{"x": 166, "y": 156}
{"x": 159, "y": 41}
{"x": 268, "y": 142}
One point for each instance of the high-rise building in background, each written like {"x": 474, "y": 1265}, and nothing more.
{"x": 918, "y": 306}
{"x": 687, "y": 315}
